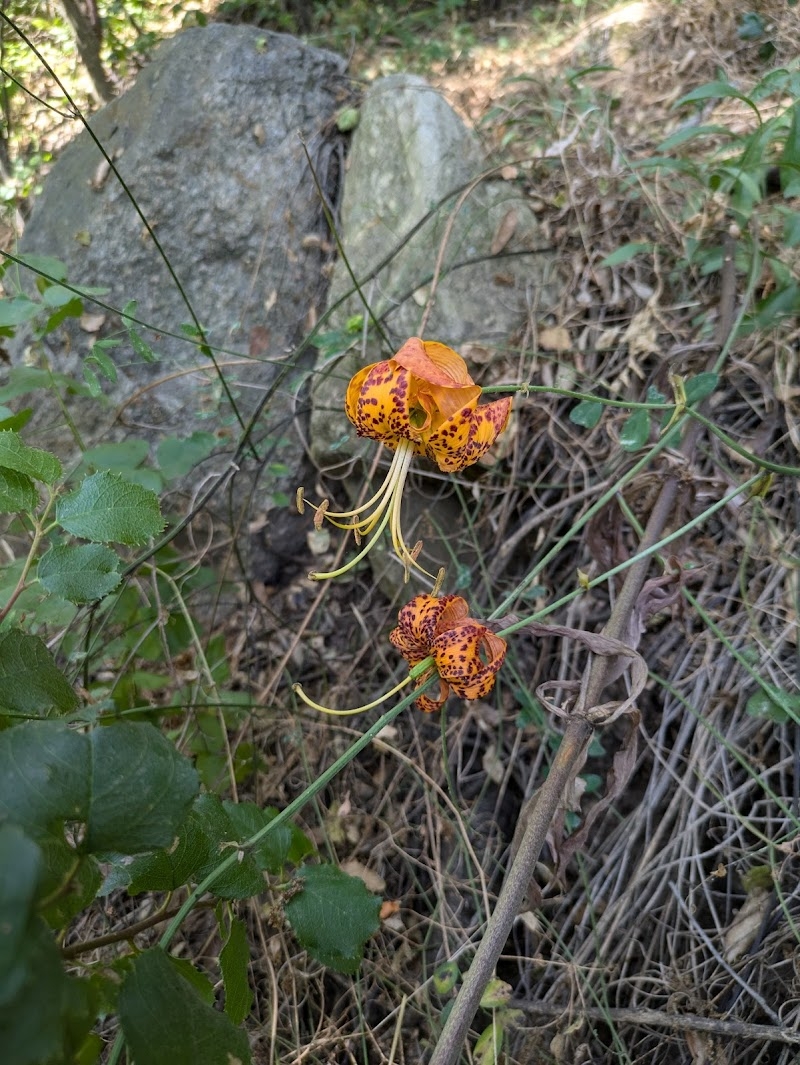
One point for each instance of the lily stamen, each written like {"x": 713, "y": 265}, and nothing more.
{"x": 387, "y": 512}
{"x": 422, "y": 401}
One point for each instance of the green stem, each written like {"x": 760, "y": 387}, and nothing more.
{"x": 293, "y": 808}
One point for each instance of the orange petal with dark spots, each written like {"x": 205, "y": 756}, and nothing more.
{"x": 468, "y": 435}
{"x": 468, "y": 657}
{"x": 420, "y": 621}
{"x": 434, "y": 362}
{"x": 377, "y": 402}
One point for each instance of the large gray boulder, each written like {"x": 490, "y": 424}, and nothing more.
{"x": 210, "y": 143}
{"x": 410, "y": 160}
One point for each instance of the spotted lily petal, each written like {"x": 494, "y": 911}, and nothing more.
{"x": 468, "y": 657}
{"x": 421, "y": 620}
{"x": 467, "y": 435}
{"x": 434, "y": 362}
{"x": 467, "y": 654}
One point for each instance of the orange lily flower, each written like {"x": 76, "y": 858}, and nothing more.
{"x": 420, "y": 402}
{"x": 467, "y": 654}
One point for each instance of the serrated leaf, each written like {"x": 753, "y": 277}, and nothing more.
{"x": 284, "y": 844}
{"x": 178, "y": 457}
{"x": 44, "y": 775}
{"x": 586, "y": 413}
{"x": 15, "y": 455}
{"x": 141, "y": 789}
{"x": 635, "y": 431}
{"x": 204, "y": 840}
{"x": 108, "y": 508}
{"x": 333, "y": 916}
{"x": 625, "y": 253}
{"x": 17, "y": 492}
{"x": 166, "y": 1022}
{"x": 80, "y": 573}
{"x": 30, "y": 681}
{"x": 243, "y": 879}
{"x": 127, "y": 782}
{"x": 17, "y": 421}
{"x": 234, "y": 961}
{"x": 16, "y": 311}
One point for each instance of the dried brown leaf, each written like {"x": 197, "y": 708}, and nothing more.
{"x": 504, "y": 232}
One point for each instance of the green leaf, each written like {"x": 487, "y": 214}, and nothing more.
{"x": 333, "y": 916}
{"x": 106, "y": 507}
{"x": 104, "y": 363}
{"x": 44, "y": 775}
{"x": 21, "y": 867}
{"x": 284, "y": 844}
{"x": 140, "y": 346}
{"x": 166, "y": 1022}
{"x": 33, "y": 1021}
{"x": 16, "y": 311}
{"x": 775, "y": 704}
{"x": 45, "y": 264}
{"x": 126, "y": 782}
{"x": 125, "y": 455}
{"x": 790, "y": 155}
{"x": 17, "y": 492}
{"x": 716, "y": 90}
{"x": 242, "y": 880}
{"x": 791, "y": 229}
{"x": 204, "y": 840}
{"x": 625, "y": 253}
{"x": 234, "y": 961}
{"x": 586, "y": 413}
{"x": 687, "y": 133}
{"x": 178, "y": 457}
{"x": 80, "y": 573}
{"x": 751, "y": 27}
{"x": 15, "y": 455}
{"x": 30, "y": 681}
{"x": 63, "y": 865}
{"x": 16, "y": 421}
{"x": 700, "y": 387}
{"x": 141, "y": 789}
{"x": 57, "y": 296}
{"x": 635, "y": 431}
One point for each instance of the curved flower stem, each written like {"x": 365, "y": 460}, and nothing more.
{"x": 298, "y": 690}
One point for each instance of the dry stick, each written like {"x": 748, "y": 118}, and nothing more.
{"x": 574, "y": 743}
{"x": 684, "y": 1022}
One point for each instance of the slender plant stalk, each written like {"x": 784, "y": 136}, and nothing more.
{"x": 577, "y": 734}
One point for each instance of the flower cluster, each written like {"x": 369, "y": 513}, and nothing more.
{"x": 420, "y": 402}
{"x": 466, "y": 654}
